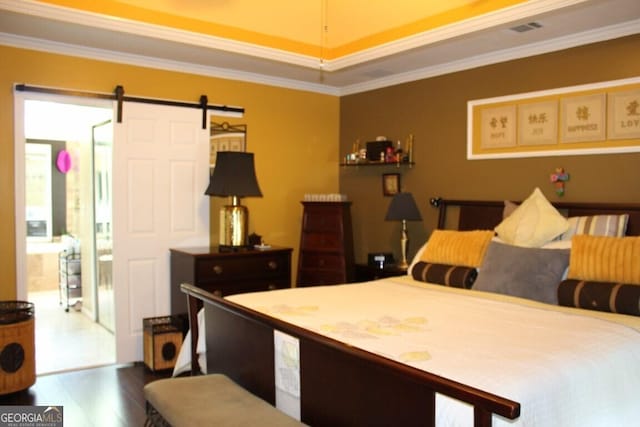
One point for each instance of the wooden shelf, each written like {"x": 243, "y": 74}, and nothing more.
{"x": 409, "y": 164}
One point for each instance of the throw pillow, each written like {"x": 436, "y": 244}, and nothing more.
{"x": 605, "y": 259}
{"x": 601, "y": 296}
{"x": 448, "y": 275}
{"x": 597, "y": 225}
{"x": 533, "y": 223}
{"x": 452, "y": 247}
{"x": 532, "y": 273}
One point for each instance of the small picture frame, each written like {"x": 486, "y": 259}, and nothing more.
{"x": 390, "y": 184}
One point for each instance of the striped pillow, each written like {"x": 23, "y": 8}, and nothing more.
{"x": 601, "y": 296}
{"x": 597, "y": 225}
{"x": 449, "y": 275}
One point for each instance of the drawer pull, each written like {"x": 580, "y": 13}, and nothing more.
{"x": 217, "y": 269}
{"x": 217, "y": 293}
{"x": 272, "y": 265}
{"x": 272, "y": 286}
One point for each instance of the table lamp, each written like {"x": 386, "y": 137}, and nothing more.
{"x": 234, "y": 176}
{"x": 403, "y": 208}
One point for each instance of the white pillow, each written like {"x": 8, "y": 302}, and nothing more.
{"x": 533, "y": 223}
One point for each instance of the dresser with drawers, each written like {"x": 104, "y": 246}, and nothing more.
{"x": 326, "y": 244}
{"x": 228, "y": 272}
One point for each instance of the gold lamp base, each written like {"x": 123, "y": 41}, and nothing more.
{"x": 233, "y": 224}
{"x": 404, "y": 246}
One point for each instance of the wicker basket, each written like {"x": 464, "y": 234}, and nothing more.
{"x": 17, "y": 346}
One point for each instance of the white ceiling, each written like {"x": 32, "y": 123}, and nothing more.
{"x": 475, "y": 42}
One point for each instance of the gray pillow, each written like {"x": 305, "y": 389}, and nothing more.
{"x": 531, "y": 273}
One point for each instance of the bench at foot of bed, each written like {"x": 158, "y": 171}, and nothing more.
{"x": 208, "y": 400}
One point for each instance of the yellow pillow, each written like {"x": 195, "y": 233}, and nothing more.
{"x": 460, "y": 248}
{"x": 533, "y": 223}
{"x": 605, "y": 259}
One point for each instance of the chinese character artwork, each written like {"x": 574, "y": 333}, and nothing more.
{"x": 595, "y": 118}
{"x": 624, "y": 115}
{"x": 499, "y": 127}
{"x": 538, "y": 123}
{"x": 583, "y": 118}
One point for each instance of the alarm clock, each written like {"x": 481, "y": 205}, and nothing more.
{"x": 380, "y": 260}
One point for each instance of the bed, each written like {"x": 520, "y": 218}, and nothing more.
{"x": 437, "y": 355}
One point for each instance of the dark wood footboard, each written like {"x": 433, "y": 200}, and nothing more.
{"x": 340, "y": 385}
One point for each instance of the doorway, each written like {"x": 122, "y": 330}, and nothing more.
{"x": 68, "y": 227}
{"x": 159, "y": 170}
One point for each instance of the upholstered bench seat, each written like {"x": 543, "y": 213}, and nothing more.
{"x": 212, "y": 400}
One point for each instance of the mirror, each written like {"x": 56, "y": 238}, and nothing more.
{"x": 227, "y": 137}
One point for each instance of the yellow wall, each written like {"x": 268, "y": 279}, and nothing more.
{"x": 435, "y": 111}
{"x": 293, "y": 134}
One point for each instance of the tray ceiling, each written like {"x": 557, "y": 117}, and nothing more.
{"x": 330, "y": 46}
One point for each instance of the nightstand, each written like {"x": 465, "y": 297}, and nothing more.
{"x": 365, "y": 272}
{"x": 228, "y": 272}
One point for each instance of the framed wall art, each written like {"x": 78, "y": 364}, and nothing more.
{"x": 624, "y": 114}
{"x": 597, "y": 118}
{"x": 538, "y": 123}
{"x": 583, "y": 118}
{"x": 499, "y": 127}
{"x": 390, "y": 184}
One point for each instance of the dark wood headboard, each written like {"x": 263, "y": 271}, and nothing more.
{"x": 485, "y": 215}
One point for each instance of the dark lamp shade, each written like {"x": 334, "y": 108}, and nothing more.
{"x": 403, "y": 207}
{"x": 233, "y": 175}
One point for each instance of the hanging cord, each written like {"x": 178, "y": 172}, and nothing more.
{"x": 324, "y": 29}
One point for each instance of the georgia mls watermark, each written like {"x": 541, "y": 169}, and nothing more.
{"x": 31, "y": 416}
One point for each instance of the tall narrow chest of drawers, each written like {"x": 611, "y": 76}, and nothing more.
{"x": 326, "y": 244}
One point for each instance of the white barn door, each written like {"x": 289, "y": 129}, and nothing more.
{"x": 160, "y": 172}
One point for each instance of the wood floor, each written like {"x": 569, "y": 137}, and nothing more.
{"x": 106, "y": 396}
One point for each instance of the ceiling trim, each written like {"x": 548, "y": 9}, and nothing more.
{"x": 144, "y": 29}
{"x": 70, "y": 15}
{"x": 48, "y": 46}
{"x": 603, "y": 34}
{"x": 457, "y": 29}
{"x": 567, "y": 42}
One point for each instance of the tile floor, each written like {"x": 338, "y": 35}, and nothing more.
{"x": 67, "y": 341}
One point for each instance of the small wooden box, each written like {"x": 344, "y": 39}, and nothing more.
{"x": 163, "y": 338}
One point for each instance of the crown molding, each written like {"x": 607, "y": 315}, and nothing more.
{"x": 48, "y": 46}
{"x": 607, "y": 33}
{"x": 456, "y": 29}
{"x": 65, "y": 14}
{"x": 143, "y": 29}
{"x": 561, "y": 43}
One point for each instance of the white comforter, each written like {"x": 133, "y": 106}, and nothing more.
{"x": 565, "y": 367}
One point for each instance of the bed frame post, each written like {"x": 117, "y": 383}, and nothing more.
{"x": 192, "y": 309}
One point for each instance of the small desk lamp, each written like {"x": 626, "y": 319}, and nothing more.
{"x": 233, "y": 176}
{"x": 403, "y": 208}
